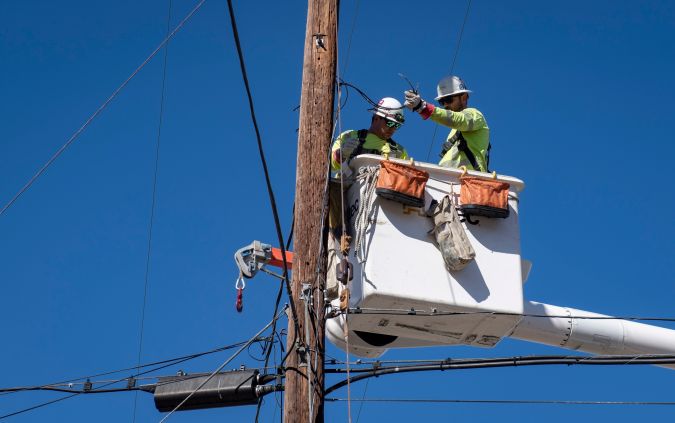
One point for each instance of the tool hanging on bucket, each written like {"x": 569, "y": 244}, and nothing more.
{"x": 252, "y": 258}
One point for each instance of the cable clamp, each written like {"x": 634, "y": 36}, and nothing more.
{"x": 306, "y": 293}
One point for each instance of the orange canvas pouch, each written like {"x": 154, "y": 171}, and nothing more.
{"x": 484, "y": 197}
{"x": 402, "y": 183}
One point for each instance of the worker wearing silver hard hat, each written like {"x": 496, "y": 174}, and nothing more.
{"x": 377, "y": 139}
{"x": 468, "y": 143}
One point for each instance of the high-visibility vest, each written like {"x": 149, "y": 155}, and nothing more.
{"x": 367, "y": 143}
{"x": 468, "y": 144}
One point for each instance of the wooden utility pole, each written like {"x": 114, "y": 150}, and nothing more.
{"x": 304, "y": 378}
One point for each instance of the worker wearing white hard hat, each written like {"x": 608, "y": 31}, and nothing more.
{"x": 387, "y": 118}
{"x": 468, "y": 143}
{"x": 377, "y": 139}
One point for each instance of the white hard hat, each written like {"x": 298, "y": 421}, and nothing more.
{"x": 389, "y": 108}
{"x": 451, "y": 85}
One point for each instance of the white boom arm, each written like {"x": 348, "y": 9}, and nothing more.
{"x": 595, "y": 336}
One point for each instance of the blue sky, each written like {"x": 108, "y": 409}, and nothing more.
{"x": 578, "y": 97}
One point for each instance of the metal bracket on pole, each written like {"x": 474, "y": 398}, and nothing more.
{"x": 319, "y": 41}
{"x": 306, "y": 294}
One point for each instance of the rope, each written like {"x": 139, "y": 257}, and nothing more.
{"x": 349, "y": 388}
{"x": 310, "y": 381}
{"x": 368, "y": 176}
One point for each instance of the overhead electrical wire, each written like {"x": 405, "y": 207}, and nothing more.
{"x": 268, "y": 352}
{"x": 263, "y": 161}
{"x": 481, "y": 363}
{"x": 242, "y": 345}
{"x": 157, "y": 364}
{"x": 452, "y": 66}
{"x": 153, "y": 202}
{"x": 433, "y": 313}
{"x": 496, "y": 401}
{"x": 77, "y": 133}
{"x": 225, "y": 363}
{"x": 349, "y": 39}
{"x": 270, "y": 191}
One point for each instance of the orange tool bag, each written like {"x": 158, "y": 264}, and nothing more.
{"x": 401, "y": 183}
{"x": 484, "y": 197}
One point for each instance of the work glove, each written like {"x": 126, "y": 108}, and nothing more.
{"x": 349, "y": 145}
{"x": 413, "y": 101}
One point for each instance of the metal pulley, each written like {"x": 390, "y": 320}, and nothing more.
{"x": 251, "y": 259}
{"x": 256, "y": 255}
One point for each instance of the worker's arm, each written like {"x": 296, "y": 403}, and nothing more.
{"x": 342, "y": 149}
{"x": 467, "y": 120}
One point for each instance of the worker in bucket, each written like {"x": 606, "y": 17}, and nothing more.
{"x": 468, "y": 143}
{"x": 387, "y": 118}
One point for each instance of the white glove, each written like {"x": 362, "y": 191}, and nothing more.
{"x": 413, "y": 101}
{"x": 349, "y": 145}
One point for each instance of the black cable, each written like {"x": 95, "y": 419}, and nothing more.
{"x": 100, "y": 109}
{"x": 154, "y": 198}
{"x": 423, "y": 313}
{"x": 270, "y": 193}
{"x": 76, "y": 391}
{"x": 659, "y": 359}
{"x": 276, "y": 307}
{"x": 459, "y": 39}
{"x": 100, "y": 390}
{"x": 452, "y": 67}
{"x": 363, "y": 94}
{"x": 531, "y": 402}
{"x": 163, "y": 363}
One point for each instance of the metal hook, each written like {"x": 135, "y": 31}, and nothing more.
{"x": 240, "y": 283}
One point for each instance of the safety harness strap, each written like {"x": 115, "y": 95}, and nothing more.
{"x": 464, "y": 148}
{"x": 362, "y": 134}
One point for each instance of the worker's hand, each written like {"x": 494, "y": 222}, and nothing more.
{"x": 413, "y": 101}
{"x": 349, "y": 145}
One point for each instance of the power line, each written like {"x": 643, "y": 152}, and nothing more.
{"x": 162, "y": 364}
{"x": 349, "y": 39}
{"x": 452, "y": 66}
{"x": 495, "y": 401}
{"x": 459, "y": 39}
{"x": 154, "y": 198}
{"x": 100, "y": 109}
{"x": 263, "y": 161}
{"x": 276, "y": 307}
{"x": 481, "y": 363}
{"x": 434, "y": 313}
{"x": 100, "y": 389}
{"x": 224, "y": 363}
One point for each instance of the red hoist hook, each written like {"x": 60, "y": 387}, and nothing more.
{"x": 240, "y": 285}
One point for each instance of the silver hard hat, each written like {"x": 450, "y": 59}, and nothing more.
{"x": 451, "y": 85}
